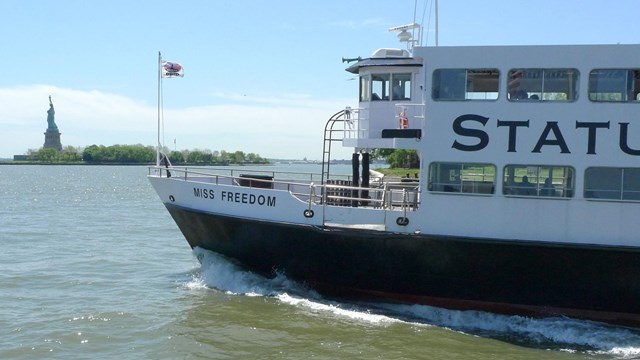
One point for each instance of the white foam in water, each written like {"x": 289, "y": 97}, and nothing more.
{"x": 559, "y": 333}
{"x": 361, "y": 315}
{"x": 567, "y": 334}
{"x": 220, "y": 273}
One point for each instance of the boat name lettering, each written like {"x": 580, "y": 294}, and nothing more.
{"x": 203, "y": 193}
{"x": 551, "y": 134}
{"x": 245, "y": 198}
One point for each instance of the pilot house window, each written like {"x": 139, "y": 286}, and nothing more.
{"x": 380, "y": 87}
{"x": 365, "y": 88}
{"x": 465, "y": 84}
{"x": 394, "y": 87}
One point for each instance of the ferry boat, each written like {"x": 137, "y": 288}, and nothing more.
{"x": 527, "y": 200}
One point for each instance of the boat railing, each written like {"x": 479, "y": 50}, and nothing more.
{"x": 279, "y": 180}
{"x": 335, "y": 192}
{"x": 190, "y": 172}
{"x": 390, "y": 196}
{"x": 407, "y": 116}
{"x": 352, "y": 125}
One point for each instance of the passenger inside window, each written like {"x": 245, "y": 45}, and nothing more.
{"x": 380, "y": 86}
{"x": 542, "y": 84}
{"x": 515, "y": 80}
{"x": 397, "y": 92}
{"x": 526, "y": 188}
{"x": 548, "y": 189}
{"x": 401, "y": 87}
{"x": 540, "y": 181}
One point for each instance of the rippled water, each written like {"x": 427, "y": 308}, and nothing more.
{"x": 92, "y": 266}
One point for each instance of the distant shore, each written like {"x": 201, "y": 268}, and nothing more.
{"x": 12, "y": 162}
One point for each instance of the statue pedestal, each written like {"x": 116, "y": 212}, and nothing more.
{"x": 52, "y": 140}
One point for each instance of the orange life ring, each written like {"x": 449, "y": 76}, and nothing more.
{"x": 404, "y": 121}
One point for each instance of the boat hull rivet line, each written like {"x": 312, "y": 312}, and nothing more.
{"x": 308, "y": 213}
{"x": 171, "y": 198}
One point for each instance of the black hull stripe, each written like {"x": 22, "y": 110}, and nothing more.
{"x": 514, "y": 277}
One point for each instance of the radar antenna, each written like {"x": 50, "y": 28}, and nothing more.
{"x": 405, "y": 36}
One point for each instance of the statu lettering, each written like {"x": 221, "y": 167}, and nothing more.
{"x": 551, "y": 135}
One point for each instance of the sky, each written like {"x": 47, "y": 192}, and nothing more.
{"x": 260, "y": 76}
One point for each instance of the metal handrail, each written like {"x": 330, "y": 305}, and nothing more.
{"x": 381, "y": 197}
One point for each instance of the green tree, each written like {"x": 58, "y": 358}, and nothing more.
{"x": 91, "y": 153}
{"x": 401, "y": 158}
{"x": 47, "y": 155}
{"x": 69, "y": 154}
{"x": 382, "y": 154}
{"x": 224, "y": 157}
{"x": 176, "y": 157}
{"x": 238, "y": 157}
{"x": 195, "y": 157}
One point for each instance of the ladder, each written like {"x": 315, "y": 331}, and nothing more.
{"x": 329, "y": 131}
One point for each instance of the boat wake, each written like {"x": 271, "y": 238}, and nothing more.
{"x": 562, "y": 334}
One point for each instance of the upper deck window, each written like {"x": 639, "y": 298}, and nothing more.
{"x": 615, "y": 85}
{"x": 465, "y": 84}
{"x": 542, "y": 84}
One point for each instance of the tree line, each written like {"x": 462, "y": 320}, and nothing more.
{"x": 139, "y": 154}
{"x": 398, "y": 158}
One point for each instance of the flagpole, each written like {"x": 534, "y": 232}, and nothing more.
{"x": 159, "y": 95}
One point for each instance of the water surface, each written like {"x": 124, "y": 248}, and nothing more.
{"x": 93, "y": 266}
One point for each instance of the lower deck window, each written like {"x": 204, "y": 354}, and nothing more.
{"x": 612, "y": 183}
{"x": 538, "y": 180}
{"x": 467, "y": 178}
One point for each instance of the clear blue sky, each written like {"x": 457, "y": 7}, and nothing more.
{"x": 260, "y": 76}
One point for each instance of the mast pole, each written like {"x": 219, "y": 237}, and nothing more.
{"x": 159, "y": 94}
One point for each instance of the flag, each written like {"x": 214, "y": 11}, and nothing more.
{"x": 171, "y": 69}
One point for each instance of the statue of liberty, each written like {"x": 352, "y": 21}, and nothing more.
{"x": 51, "y": 114}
